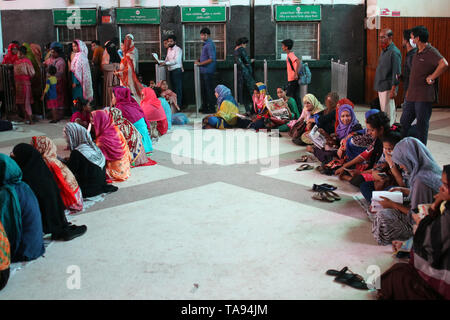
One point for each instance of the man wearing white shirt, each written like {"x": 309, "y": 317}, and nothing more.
{"x": 175, "y": 66}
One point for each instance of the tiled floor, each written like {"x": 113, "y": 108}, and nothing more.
{"x": 206, "y": 224}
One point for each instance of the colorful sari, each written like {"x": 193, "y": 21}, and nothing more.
{"x": 133, "y": 137}
{"x": 127, "y": 72}
{"x": 36, "y": 85}
{"x": 23, "y": 73}
{"x": 113, "y": 145}
{"x": 154, "y": 112}
{"x": 60, "y": 75}
{"x": 66, "y": 181}
{"x": 10, "y": 58}
{"x": 225, "y": 117}
{"x": 81, "y": 71}
{"x": 170, "y": 96}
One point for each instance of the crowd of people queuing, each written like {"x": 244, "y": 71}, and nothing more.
{"x": 378, "y": 155}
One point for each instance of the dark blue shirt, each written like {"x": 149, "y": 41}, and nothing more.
{"x": 208, "y": 52}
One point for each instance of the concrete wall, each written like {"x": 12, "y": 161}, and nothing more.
{"x": 411, "y": 8}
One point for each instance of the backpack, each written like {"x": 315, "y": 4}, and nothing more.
{"x": 304, "y": 73}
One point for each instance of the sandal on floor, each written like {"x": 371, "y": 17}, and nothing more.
{"x": 335, "y": 273}
{"x": 353, "y": 280}
{"x": 321, "y": 196}
{"x": 303, "y": 158}
{"x": 323, "y": 187}
{"x": 333, "y": 194}
{"x": 304, "y": 167}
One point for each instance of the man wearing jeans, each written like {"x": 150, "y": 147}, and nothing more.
{"x": 293, "y": 65}
{"x": 175, "y": 66}
{"x": 387, "y": 74}
{"x": 207, "y": 63}
{"x": 427, "y": 65}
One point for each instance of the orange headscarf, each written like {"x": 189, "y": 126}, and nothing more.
{"x": 128, "y": 63}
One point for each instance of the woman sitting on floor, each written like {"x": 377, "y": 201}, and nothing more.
{"x": 225, "y": 117}
{"x": 82, "y": 115}
{"x": 40, "y": 179}
{"x": 260, "y": 111}
{"x": 426, "y": 274}
{"x": 64, "y": 178}
{"x": 20, "y": 214}
{"x": 169, "y": 95}
{"x": 86, "y": 161}
{"x": 326, "y": 120}
{"x": 133, "y": 137}
{"x": 348, "y": 125}
{"x": 113, "y": 145}
{"x": 377, "y": 126}
{"x": 165, "y": 106}
{"x": 5, "y": 257}
{"x": 131, "y": 110}
{"x": 154, "y": 113}
{"x": 395, "y": 222}
{"x": 292, "y": 105}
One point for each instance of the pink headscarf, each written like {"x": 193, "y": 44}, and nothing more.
{"x": 151, "y": 105}
{"x": 108, "y": 136}
{"x": 131, "y": 110}
{"x": 82, "y": 71}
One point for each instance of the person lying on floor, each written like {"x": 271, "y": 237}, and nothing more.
{"x": 20, "y": 214}
{"x": 86, "y": 161}
{"x": 426, "y": 276}
{"x": 377, "y": 126}
{"x": 40, "y": 179}
{"x": 395, "y": 221}
{"x": 67, "y": 183}
{"x": 335, "y": 146}
{"x": 225, "y": 117}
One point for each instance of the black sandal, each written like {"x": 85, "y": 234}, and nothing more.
{"x": 352, "y": 279}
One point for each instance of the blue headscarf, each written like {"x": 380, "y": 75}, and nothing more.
{"x": 224, "y": 94}
{"x": 371, "y": 112}
{"x": 343, "y": 130}
{"x": 10, "y": 212}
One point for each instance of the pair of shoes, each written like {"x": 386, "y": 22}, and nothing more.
{"x": 304, "y": 167}
{"x": 323, "y": 187}
{"x": 352, "y": 279}
{"x": 327, "y": 196}
{"x": 70, "y": 232}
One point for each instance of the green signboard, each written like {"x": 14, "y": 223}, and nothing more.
{"x": 203, "y": 14}
{"x": 138, "y": 16}
{"x": 298, "y": 13}
{"x": 74, "y": 17}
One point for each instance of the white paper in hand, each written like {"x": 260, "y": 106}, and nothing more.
{"x": 395, "y": 196}
{"x": 155, "y": 55}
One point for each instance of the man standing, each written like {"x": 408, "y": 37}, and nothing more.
{"x": 411, "y": 50}
{"x": 175, "y": 66}
{"x": 97, "y": 55}
{"x": 427, "y": 66}
{"x": 388, "y": 73}
{"x": 207, "y": 65}
{"x": 293, "y": 65}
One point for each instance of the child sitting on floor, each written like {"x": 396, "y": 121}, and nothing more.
{"x": 83, "y": 114}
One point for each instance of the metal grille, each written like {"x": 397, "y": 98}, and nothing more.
{"x": 339, "y": 77}
{"x": 305, "y": 36}
{"x": 8, "y": 88}
{"x": 193, "y": 43}
{"x": 85, "y": 33}
{"x": 147, "y": 39}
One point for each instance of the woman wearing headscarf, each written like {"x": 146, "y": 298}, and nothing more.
{"x": 131, "y": 110}
{"x": 67, "y": 183}
{"x": 127, "y": 70}
{"x": 225, "y": 117}
{"x": 23, "y": 74}
{"x": 113, "y": 145}
{"x": 20, "y": 214}
{"x": 36, "y": 80}
{"x": 56, "y": 59}
{"x": 312, "y": 108}
{"x": 133, "y": 137}
{"x": 81, "y": 72}
{"x": 110, "y": 63}
{"x": 154, "y": 113}
{"x": 395, "y": 221}
{"x": 166, "y": 107}
{"x": 12, "y": 54}
{"x": 326, "y": 120}
{"x": 259, "y": 111}
{"x": 426, "y": 276}
{"x": 169, "y": 95}
{"x": 86, "y": 161}
{"x": 341, "y": 103}
{"x": 40, "y": 179}
{"x": 5, "y": 257}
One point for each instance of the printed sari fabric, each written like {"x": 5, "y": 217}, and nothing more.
{"x": 127, "y": 73}
{"x": 133, "y": 137}
{"x": 66, "y": 181}
{"x": 5, "y": 255}
{"x": 82, "y": 71}
{"x": 23, "y": 73}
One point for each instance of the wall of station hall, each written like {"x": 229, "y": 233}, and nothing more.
{"x": 341, "y": 35}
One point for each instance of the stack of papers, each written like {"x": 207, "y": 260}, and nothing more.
{"x": 395, "y": 196}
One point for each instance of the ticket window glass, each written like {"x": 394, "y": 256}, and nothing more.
{"x": 305, "y": 36}
{"x": 147, "y": 39}
{"x": 193, "y": 42}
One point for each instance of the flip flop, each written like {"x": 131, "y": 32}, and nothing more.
{"x": 352, "y": 279}
{"x": 304, "y": 167}
{"x": 333, "y": 195}
{"x": 303, "y": 158}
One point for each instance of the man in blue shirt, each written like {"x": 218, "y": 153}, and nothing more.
{"x": 207, "y": 64}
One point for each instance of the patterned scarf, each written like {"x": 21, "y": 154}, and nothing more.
{"x": 5, "y": 254}
{"x": 82, "y": 71}
{"x": 259, "y": 102}
{"x": 108, "y": 136}
{"x": 224, "y": 94}
{"x": 79, "y": 139}
{"x": 64, "y": 178}
{"x": 127, "y": 62}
